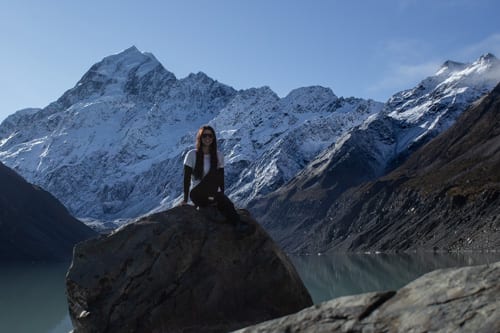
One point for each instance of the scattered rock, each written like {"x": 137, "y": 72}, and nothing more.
{"x": 177, "y": 271}
{"x": 449, "y": 300}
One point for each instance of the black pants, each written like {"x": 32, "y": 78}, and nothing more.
{"x": 205, "y": 194}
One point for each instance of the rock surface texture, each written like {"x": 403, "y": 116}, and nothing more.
{"x": 178, "y": 271}
{"x": 451, "y": 300}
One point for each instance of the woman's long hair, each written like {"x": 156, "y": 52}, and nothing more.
{"x": 198, "y": 167}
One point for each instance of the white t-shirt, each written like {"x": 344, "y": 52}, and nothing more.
{"x": 190, "y": 161}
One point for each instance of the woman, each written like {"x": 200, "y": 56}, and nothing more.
{"x": 204, "y": 170}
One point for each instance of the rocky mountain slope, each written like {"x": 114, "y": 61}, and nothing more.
{"x": 383, "y": 142}
{"x": 445, "y": 197}
{"x": 112, "y": 146}
{"x": 33, "y": 224}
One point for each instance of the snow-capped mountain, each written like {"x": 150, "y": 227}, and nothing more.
{"x": 112, "y": 147}
{"x": 434, "y": 104}
{"x": 408, "y": 120}
{"x": 445, "y": 197}
{"x": 271, "y": 139}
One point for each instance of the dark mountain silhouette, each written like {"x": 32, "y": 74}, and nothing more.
{"x": 446, "y": 196}
{"x": 33, "y": 224}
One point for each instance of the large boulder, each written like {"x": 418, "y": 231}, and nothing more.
{"x": 179, "y": 271}
{"x": 450, "y": 300}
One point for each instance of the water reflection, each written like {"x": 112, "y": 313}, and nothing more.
{"x": 32, "y": 298}
{"x": 334, "y": 275}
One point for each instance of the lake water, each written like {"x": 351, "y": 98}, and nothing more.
{"x": 32, "y": 296}
{"x": 331, "y": 276}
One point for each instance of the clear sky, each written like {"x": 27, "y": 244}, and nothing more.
{"x": 368, "y": 49}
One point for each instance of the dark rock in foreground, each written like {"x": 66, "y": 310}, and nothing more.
{"x": 450, "y": 300}
{"x": 177, "y": 271}
{"x": 35, "y": 226}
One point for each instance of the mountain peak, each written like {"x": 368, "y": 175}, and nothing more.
{"x": 129, "y": 70}
{"x": 486, "y": 60}
{"x": 311, "y": 91}
{"x": 450, "y": 66}
{"x": 132, "y": 49}
{"x": 487, "y": 57}
{"x": 199, "y": 76}
{"x": 451, "y": 63}
{"x": 128, "y": 58}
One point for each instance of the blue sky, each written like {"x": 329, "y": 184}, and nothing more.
{"x": 368, "y": 49}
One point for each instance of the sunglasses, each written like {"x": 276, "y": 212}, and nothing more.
{"x": 207, "y": 135}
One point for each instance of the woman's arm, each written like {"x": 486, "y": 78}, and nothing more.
{"x": 220, "y": 179}
{"x": 220, "y": 171}
{"x": 187, "y": 181}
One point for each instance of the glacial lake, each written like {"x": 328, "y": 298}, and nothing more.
{"x": 32, "y": 295}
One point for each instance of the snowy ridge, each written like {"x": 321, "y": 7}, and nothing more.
{"x": 384, "y": 140}
{"x": 447, "y": 86}
{"x": 412, "y": 117}
{"x": 111, "y": 148}
{"x": 305, "y": 138}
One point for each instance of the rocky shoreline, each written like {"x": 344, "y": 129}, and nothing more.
{"x": 447, "y": 300}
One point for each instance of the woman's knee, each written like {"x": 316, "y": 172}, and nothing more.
{"x": 196, "y": 197}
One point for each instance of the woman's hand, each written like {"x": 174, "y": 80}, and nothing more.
{"x": 183, "y": 203}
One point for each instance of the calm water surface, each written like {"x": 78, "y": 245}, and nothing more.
{"x": 331, "y": 276}
{"x": 33, "y": 300}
